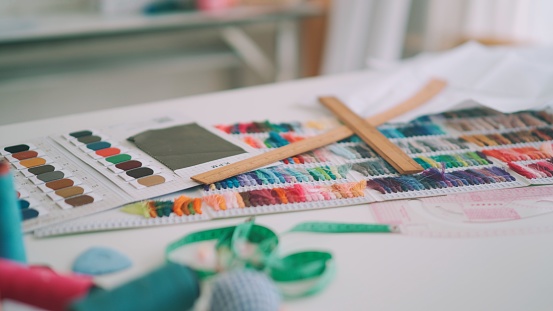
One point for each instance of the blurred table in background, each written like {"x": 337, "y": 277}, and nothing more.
{"x": 56, "y": 65}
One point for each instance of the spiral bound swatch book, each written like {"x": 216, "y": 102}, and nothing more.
{"x": 468, "y": 150}
{"x": 86, "y": 171}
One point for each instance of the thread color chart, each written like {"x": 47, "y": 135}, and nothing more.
{"x": 350, "y": 171}
{"x": 92, "y": 170}
{"x": 462, "y": 151}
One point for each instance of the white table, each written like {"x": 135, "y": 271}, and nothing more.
{"x": 375, "y": 272}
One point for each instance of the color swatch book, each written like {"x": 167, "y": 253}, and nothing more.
{"x": 467, "y": 150}
{"x": 78, "y": 173}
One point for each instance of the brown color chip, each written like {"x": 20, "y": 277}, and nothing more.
{"x": 80, "y": 200}
{"x": 60, "y": 184}
{"x": 25, "y": 155}
{"x": 70, "y": 192}
{"x": 129, "y": 165}
{"x": 151, "y": 180}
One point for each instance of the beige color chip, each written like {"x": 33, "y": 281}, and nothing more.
{"x": 151, "y": 180}
{"x": 70, "y": 192}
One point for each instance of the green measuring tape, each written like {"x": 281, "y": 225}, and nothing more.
{"x": 316, "y": 267}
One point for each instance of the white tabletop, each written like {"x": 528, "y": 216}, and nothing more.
{"x": 375, "y": 272}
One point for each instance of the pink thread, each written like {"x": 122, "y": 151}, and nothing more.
{"x": 230, "y": 199}
{"x": 214, "y": 201}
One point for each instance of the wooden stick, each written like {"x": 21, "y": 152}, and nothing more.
{"x": 431, "y": 89}
{"x": 372, "y": 136}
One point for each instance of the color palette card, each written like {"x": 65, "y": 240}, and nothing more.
{"x": 54, "y": 186}
{"x": 86, "y": 171}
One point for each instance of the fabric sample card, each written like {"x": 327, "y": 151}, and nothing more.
{"x": 184, "y": 145}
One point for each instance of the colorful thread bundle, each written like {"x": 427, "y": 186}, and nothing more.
{"x": 320, "y": 155}
{"x": 352, "y": 139}
{"x": 275, "y": 140}
{"x": 412, "y": 130}
{"x": 499, "y": 122}
{"x": 545, "y": 115}
{"x": 437, "y": 179}
{"x": 373, "y": 168}
{"x": 181, "y": 206}
{"x": 541, "y": 169}
{"x": 466, "y": 159}
{"x": 451, "y": 146}
{"x": 516, "y": 137}
{"x": 352, "y": 152}
{"x": 285, "y": 195}
{"x": 468, "y": 113}
{"x": 281, "y": 175}
{"x": 517, "y": 154}
{"x": 260, "y": 127}
{"x": 433, "y": 145}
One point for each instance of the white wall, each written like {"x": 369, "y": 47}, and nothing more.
{"x": 366, "y": 32}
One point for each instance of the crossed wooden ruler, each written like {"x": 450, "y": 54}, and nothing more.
{"x": 364, "y": 128}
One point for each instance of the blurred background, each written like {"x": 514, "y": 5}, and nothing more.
{"x": 60, "y": 57}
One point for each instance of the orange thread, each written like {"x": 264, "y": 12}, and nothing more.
{"x": 281, "y": 195}
{"x": 198, "y": 205}
{"x": 358, "y": 188}
{"x": 239, "y": 199}
{"x": 177, "y": 204}
{"x": 152, "y": 209}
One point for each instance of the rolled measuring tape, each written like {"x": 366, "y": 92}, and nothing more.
{"x": 316, "y": 266}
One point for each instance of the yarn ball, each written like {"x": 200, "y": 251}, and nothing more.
{"x": 244, "y": 290}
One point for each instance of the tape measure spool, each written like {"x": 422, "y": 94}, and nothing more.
{"x": 307, "y": 265}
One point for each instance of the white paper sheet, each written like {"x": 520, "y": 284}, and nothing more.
{"x": 505, "y": 79}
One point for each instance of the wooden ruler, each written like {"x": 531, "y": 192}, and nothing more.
{"x": 372, "y": 136}
{"x": 431, "y": 89}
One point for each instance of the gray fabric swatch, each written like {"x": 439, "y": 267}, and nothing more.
{"x": 184, "y": 145}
